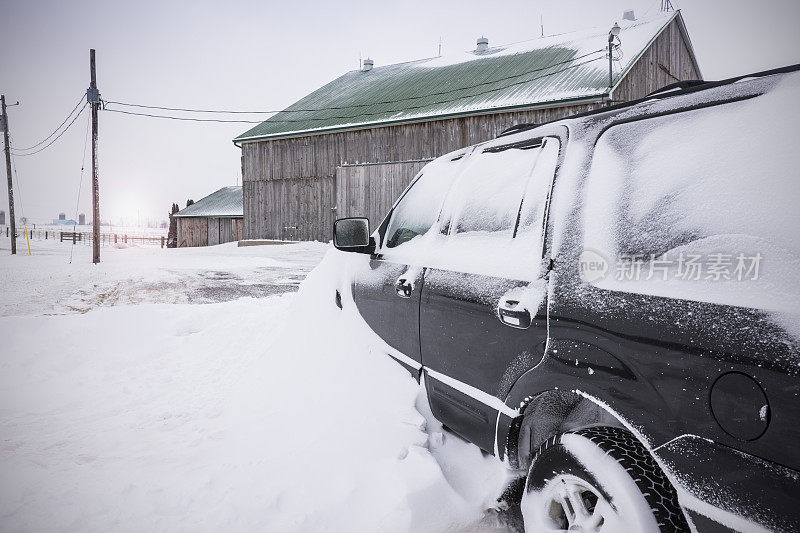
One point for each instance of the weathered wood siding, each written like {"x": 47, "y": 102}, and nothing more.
{"x": 201, "y": 231}
{"x": 290, "y": 209}
{"x": 281, "y": 177}
{"x": 371, "y": 190}
{"x": 192, "y": 232}
{"x": 225, "y": 230}
{"x": 666, "y": 61}
{"x": 230, "y": 229}
{"x": 238, "y": 229}
{"x": 213, "y": 231}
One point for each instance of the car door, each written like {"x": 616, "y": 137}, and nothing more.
{"x": 387, "y": 292}
{"x": 483, "y": 306}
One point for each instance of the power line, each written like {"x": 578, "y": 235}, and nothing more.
{"x": 56, "y": 130}
{"x": 382, "y": 112}
{"x": 56, "y": 138}
{"x": 19, "y": 182}
{"x": 384, "y": 102}
{"x": 228, "y": 112}
{"x": 182, "y": 118}
{"x": 80, "y": 184}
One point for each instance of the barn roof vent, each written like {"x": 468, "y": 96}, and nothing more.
{"x": 628, "y": 15}
{"x": 367, "y": 66}
{"x": 483, "y": 44}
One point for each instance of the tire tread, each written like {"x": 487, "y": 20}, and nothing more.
{"x": 642, "y": 467}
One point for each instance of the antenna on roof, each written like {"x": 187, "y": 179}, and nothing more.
{"x": 440, "y": 46}
{"x": 541, "y": 23}
{"x": 666, "y": 6}
{"x": 360, "y": 66}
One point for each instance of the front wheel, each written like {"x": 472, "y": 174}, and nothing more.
{"x": 599, "y": 479}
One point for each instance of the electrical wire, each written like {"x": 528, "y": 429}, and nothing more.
{"x": 17, "y": 180}
{"x": 382, "y": 112}
{"x": 182, "y": 118}
{"x": 80, "y": 185}
{"x": 54, "y": 131}
{"x": 56, "y": 138}
{"x": 339, "y": 108}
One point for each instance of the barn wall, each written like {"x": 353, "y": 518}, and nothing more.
{"x": 225, "y": 230}
{"x": 197, "y": 231}
{"x": 669, "y": 51}
{"x": 213, "y": 231}
{"x": 192, "y": 232}
{"x": 292, "y": 182}
{"x": 371, "y": 190}
{"x": 290, "y": 209}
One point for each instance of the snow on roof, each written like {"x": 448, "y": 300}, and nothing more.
{"x": 226, "y": 202}
{"x": 558, "y": 68}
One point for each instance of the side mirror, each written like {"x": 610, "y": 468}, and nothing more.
{"x": 352, "y": 235}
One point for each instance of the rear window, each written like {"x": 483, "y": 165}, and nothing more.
{"x": 715, "y": 189}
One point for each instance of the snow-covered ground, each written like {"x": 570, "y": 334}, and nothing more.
{"x": 125, "y": 406}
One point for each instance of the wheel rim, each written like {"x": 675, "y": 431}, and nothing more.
{"x": 568, "y": 503}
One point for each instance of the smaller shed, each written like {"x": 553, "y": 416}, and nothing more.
{"x": 215, "y": 219}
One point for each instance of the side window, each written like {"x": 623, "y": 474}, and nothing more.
{"x": 496, "y": 208}
{"x": 537, "y": 194}
{"x": 489, "y": 192}
{"x": 419, "y": 207}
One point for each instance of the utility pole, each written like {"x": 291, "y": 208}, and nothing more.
{"x": 612, "y": 35}
{"x": 93, "y": 97}
{"x": 8, "y": 172}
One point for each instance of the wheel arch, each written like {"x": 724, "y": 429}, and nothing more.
{"x": 549, "y": 413}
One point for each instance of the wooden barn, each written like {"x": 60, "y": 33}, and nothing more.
{"x": 215, "y": 219}
{"x": 352, "y": 146}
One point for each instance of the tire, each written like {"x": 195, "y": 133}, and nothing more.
{"x": 599, "y": 479}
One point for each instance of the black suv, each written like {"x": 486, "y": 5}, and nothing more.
{"x": 610, "y": 303}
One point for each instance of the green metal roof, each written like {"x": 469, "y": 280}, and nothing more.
{"x": 567, "y": 67}
{"x": 224, "y": 203}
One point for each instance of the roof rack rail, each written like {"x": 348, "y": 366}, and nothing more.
{"x": 690, "y": 87}
{"x": 516, "y": 128}
{"x": 678, "y": 85}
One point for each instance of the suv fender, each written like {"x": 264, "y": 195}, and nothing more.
{"x": 550, "y": 388}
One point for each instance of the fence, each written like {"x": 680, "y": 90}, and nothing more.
{"x": 85, "y": 237}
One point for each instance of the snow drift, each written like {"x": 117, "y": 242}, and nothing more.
{"x": 272, "y": 414}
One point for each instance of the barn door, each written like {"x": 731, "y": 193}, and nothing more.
{"x": 371, "y": 190}
{"x": 225, "y": 231}
{"x": 213, "y": 231}
{"x": 352, "y": 191}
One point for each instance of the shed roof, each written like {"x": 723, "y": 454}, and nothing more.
{"x": 226, "y": 202}
{"x": 544, "y": 71}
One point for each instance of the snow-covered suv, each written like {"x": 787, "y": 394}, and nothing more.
{"x": 610, "y": 302}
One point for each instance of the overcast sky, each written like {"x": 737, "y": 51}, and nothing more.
{"x": 265, "y": 55}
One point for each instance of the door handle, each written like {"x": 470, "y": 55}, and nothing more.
{"x": 513, "y": 313}
{"x": 403, "y": 288}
